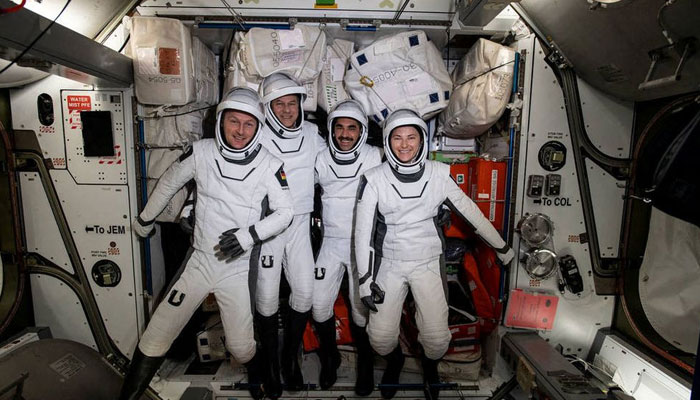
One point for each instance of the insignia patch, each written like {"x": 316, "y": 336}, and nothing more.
{"x": 172, "y": 300}
{"x": 320, "y": 273}
{"x": 268, "y": 261}
{"x": 282, "y": 178}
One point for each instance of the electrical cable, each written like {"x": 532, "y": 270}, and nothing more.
{"x": 26, "y": 49}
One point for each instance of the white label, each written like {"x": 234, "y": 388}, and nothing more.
{"x": 421, "y": 83}
{"x": 291, "y": 40}
{"x": 147, "y": 60}
{"x": 291, "y": 57}
{"x": 67, "y": 366}
{"x": 482, "y": 196}
{"x": 494, "y": 187}
{"x": 337, "y": 69}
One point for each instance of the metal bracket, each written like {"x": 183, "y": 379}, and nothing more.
{"x": 683, "y": 47}
{"x": 292, "y": 23}
{"x": 557, "y": 57}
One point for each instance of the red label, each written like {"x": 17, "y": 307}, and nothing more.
{"x": 79, "y": 103}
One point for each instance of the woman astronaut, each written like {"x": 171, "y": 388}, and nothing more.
{"x": 235, "y": 176}
{"x": 398, "y": 246}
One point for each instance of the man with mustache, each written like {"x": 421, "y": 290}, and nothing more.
{"x": 338, "y": 172}
{"x": 296, "y": 142}
{"x": 242, "y": 199}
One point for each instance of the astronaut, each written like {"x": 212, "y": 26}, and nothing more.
{"x": 296, "y": 142}
{"x": 338, "y": 173}
{"x": 398, "y": 245}
{"x": 236, "y": 177}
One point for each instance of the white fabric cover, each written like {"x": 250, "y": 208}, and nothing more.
{"x": 330, "y": 88}
{"x": 161, "y": 49}
{"x": 669, "y": 280}
{"x": 400, "y": 71}
{"x": 482, "y": 80}
{"x": 206, "y": 73}
{"x": 180, "y": 130}
{"x": 235, "y": 74}
{"x": 263, "y": 52}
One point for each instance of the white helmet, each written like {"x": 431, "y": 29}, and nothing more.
{"x": 275, "y": 86}
{"x": 347, "y": 109}
{"x": 402, "y": 118}
{"x": 246, "y": 100}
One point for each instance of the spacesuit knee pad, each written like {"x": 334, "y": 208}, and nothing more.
{"x": 242, "y": 350}
{"x": 266, "y": 305}
{"x": 359, "y": 318}
{"x": 301, "y": 299}
{"x": 383, "y": 342}
{"x": 321, "y": 313}
{"x": 435, "y": 342}
{"x": 152, "y": 348}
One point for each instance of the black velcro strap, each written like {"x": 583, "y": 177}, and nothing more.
{"x": 144, "y": 223}
{"x": 186, "y": 154}
{"x": 503, "y": 250}
{"x": 282, "y": 178}
{"x": 254, "y": 234}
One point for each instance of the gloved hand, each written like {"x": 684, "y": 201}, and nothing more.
{"x": 506, "y": 257}
{"x": 376, "y": 297}
{"x": 187, "y": 220}
{"x": 443, "y": 216}
{"x": 143, "y": 229}
{"x": 233, "y": 243}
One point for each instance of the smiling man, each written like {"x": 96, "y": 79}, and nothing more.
{"x": 296, "y": 142}
{"x": 338, "y": 172}
{"x": 236, "y": 178}
{"x": 398, "y": 245}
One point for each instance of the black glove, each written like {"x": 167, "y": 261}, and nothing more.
{"x": 229, "y": 246}
{"x": 377, "y": 297}
{"x": 443, "y": 216}
{"x": 187, "y": 223}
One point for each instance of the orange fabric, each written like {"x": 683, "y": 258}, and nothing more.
{"x": 343, "y": 334}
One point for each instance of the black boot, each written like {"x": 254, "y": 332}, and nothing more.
{"x": 293, "y": 334}
{"x": 364, "y": 384}
{"x": 327, "y": 352}
{"x": 430, "y": 378}
{"x": 140, "y": 373}
{"x": 268, "y": 334}
{"x": 394, "y": 364}
{"x": 254, "y": 379}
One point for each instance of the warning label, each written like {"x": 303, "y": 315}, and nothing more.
{"x": 79, "y": 103}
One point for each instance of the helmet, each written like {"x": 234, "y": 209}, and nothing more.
{"x": 347, "y": 109}
{"x": 275, "y": 86}
{"x": 246, "y": 100}
{"x": 402, "y": 118}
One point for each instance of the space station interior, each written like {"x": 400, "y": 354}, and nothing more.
{"x": 572, "y": 127}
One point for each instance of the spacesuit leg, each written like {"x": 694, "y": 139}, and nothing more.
{"x": 328, "y": 275}
{"x": 383, "y": 325}
{"x": 431, "y": 308}
{"x": 170, "y": 317}
{"x": 364, "y": 382}
{"x": 267, "y": 290}
{"x": 299, "y": 270}
{"x": 233, "y": 297}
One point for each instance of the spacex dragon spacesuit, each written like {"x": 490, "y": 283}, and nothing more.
{"x": 398, "y": 244}
{"x": 296, "y": 142}
{"x": 237, "y": 179}
{"x": 338, "y": 173}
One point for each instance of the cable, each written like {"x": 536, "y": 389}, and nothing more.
{"x": 13, "y": 8}
{"x": 178, "y": 114}
{"x": 124, "y": 44}
{"x": 26, "y": 49}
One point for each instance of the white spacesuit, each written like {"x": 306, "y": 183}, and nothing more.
{"x": 234, "y": 188}
{"x": 338, "y": 173}
{"x": 398, "y": 246}
{"x": 296, "y": 142}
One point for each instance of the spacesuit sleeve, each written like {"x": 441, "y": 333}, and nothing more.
{"x": 365, "y": 215}
{"x": 176, "y": 176}
{"x": 280, "y": 202}
{"x": 466, "y": 209}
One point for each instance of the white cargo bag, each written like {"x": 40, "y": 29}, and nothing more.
{"x": 331, "y": 89}
{"x": 175, "y": 127}
{"x": 400, "y": 71}
{"x": 206, "y": 73}
{"x": 298, "y": 52}
{"x": 161, "y": 49}
{"x": 483, "y": 80}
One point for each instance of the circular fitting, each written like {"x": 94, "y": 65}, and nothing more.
{"x": 541, "y": 263}
{"x": 535, "y": 229}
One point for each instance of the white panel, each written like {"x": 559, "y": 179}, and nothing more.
{"x": 23, "y": 103}
{"x": 99, "y": 170}
{"x": 58, "y": 307}
{"x": 98, "y": 217}
{"x": 608, "y": 120}
{"x": 637, "y": 374}
{"x": 607, "y": 195}
{"x": 580, "y": 316}
{"x": 40, "y": 228}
